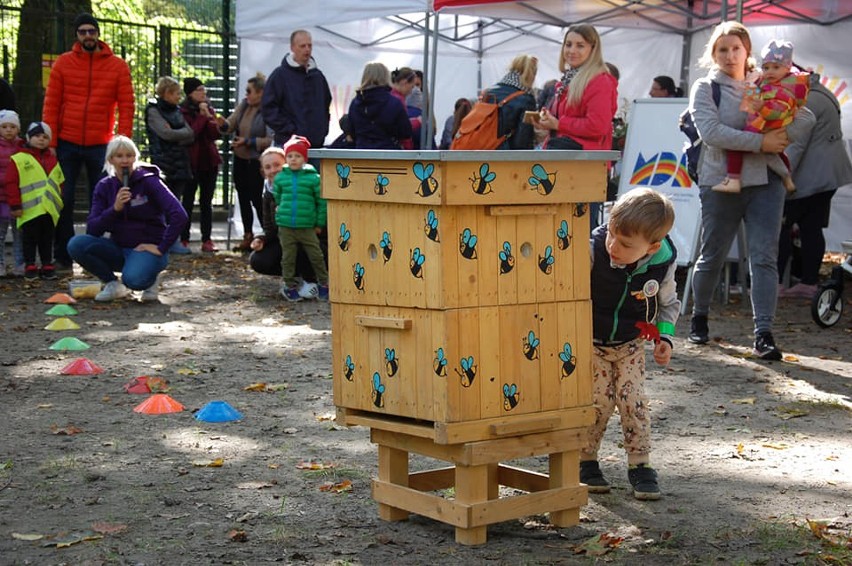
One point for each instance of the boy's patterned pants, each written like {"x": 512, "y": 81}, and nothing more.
{"x": 619, "y": 381}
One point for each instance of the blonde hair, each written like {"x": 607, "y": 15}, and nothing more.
{"x": 727, "y": 28}
{"x": 257, "y": 82}
{"x": 165, "y": 84}
{"x": 644, "y": 212}
{"x": 116, "y": 144}
{"x": 593, "y": 66}
{"x": 375, "y": 74}
{"x": 272, "y": 149}
{"x": 526, "y": 66}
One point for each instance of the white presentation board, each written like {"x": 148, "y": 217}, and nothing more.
{"x": 654, "y": 158}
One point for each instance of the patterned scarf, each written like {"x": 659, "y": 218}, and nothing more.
{"x": 566, "y": 79}
{"x": 513, "y": 79}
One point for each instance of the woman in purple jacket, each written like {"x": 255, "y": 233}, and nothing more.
{"x": 143, "y": 219}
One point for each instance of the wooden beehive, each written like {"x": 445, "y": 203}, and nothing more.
{"x": 460, "y": 287}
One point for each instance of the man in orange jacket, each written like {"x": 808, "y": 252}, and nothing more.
{"x": 86, "y": 86}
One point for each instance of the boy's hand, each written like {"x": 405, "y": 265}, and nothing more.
{"x": 662, "y": 353}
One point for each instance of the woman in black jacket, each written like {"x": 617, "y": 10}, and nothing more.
{"x": 169, "y": 138}
{"x": 379, "y": 120}
{"x": 519, "y": 78}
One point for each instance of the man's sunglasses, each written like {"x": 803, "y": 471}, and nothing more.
{"x": 87, "y": 31}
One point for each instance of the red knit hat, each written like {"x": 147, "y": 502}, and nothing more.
{"x": 298, "y": 144}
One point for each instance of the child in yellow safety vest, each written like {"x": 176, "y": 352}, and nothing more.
{"x": 34, "y": 190}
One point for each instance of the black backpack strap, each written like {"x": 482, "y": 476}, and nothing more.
{"x": 717, "y": 92}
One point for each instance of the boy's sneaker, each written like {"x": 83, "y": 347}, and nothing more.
{"x": 699, "y": 332}
{"x": 765, "y": 348}
{"x": 113, "y": 290}
{"x": 591, "y": 475}
{"x": 644, "y": 481}
{"x": 323, "y": 293}
{"x": 48, "y": 272}
{"x": 31, "y": 272}
{"x": 290, "y": 293}
{"x": 308, "y": 290}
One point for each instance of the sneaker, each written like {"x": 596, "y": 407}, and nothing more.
{"x": 31, "y": 272}
{"x": 152, "y": 293}
{"x": 308, "y": 290}
{"x": 209, "y": 246}
{"x": 728, "y": 186}
{"x": 48, "y": 272}
{"x": 798, "y": 291}
{"x": 765, "y": 348}
{"x": 699, "y": 332}
{"x": 290, "y": 293}
{"x": 115, "y": 289}
{"x": 644, "y": 481}
{"x": 323, "y": 293}
{"x": 18, "y": 270}
{"x": 179, "y": 248}
{"x": 591, "y": 475}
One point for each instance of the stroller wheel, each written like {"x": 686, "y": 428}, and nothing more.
{"x": 827, "y": 305}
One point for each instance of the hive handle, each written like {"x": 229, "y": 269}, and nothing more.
{"x": 523, "y": 210}
{"x": 383, "y": 322}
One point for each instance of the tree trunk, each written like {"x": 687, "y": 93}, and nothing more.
{"x": 43, "y": 31}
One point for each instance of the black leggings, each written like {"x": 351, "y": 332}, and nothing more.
{"x": 206, "y": 181}
{"x": 37, "y": 235}
{"x": 248, "y": 180}
{"x": 811, "y": 215}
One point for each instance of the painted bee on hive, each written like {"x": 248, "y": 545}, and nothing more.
{"x": 510, "y": 396}
{"x": 507, "y": 260}
{"x": 428, "y": 185}
{"x": 531, "y": 346}
{"x": 431, "y": 226}
{"x": 545, "y": 262}
{"x": 343, "y": 175}
{"x": 481, "y": 185}
{"x": 467, "y": 372}
{"x": 467, "y": 244}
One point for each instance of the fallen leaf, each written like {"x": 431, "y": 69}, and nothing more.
{"x": 740, "y": 449}
{"x": 775, "y": 445}
{"x": 790, "y": 358}
{"x": 744, "y": 401}
{"x": 69, "y": 429}
{"x": 787, "y": 413}
{"x": 313, "y": 465}
{"x": 217, "y": 463}
{"x": 65, "y": 541}
{"x": 272, "y": 387}
{"x": 340, "y": 487}
{"x": 237, "y": 535}
{"x": 273, "y": 466}
{"x": 255, "y": 387}
{"x": 188, "y": 371}
{"x": 45, "y": 406}
{"x": 27, "y": 536}
{"x": 109, "y": 528}
{"x": 599, "y": 545}
{"x": 255, "y": 485}
{"x": 326, "y": 417}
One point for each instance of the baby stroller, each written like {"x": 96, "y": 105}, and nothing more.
{"x": 827, "y": 304}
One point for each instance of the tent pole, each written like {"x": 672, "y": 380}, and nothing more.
{"x": 426, "y": 112}
{"x": 430, "y": 100}
{"x": 686, "y": 50}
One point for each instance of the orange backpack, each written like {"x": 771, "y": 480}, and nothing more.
{"x": 478, "y": 130}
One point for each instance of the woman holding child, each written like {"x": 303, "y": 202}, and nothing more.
{"x": 761, "y": 200}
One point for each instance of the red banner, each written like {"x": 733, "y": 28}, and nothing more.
{"x": 438, "y": 4}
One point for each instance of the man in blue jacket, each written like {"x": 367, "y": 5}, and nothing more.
{"x": 296, "y": 100}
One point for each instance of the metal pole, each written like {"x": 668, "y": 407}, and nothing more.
{"x": 227, "y": 194}
{"x": 430, "y": 101}
{"x": 426, "y": 112}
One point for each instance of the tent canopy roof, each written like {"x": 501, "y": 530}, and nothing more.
{"x": 674, "y": 16}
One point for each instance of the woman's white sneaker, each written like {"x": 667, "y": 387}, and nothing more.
{"x": 112, "y": 291}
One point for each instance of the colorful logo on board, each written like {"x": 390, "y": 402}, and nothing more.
{"x": 661, "y": 169}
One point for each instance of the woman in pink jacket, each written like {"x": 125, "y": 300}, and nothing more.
{"x": 586, "y": 96}
{"x": 586, "y": 99}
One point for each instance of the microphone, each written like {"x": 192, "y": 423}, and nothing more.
{"x": 125, "y": 176}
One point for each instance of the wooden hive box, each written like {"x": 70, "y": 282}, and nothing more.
{"x": 460, "y": 288}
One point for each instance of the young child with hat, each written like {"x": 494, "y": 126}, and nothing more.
{"x": 34, "y": 178}
{"x": 10, "y": 143}
{"x": 772, "y": 104}
{"x": 300, "y": 216}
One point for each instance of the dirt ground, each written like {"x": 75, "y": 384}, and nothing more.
{"x": 748, "y": 452}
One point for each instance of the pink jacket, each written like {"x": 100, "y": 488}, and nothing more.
{"x": 590, "y": 122}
